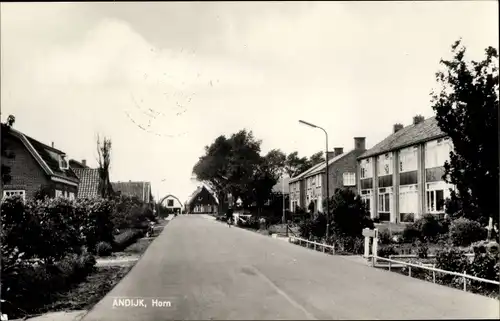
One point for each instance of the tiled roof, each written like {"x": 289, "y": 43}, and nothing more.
{"x": 301, "y": 175}
{"x": 137, "y": 189}
{"x": 278, "y": 188}
{"x": 409, "y": 135}
{"x": 89, "y": 182}
{"x": 322, "y": 166}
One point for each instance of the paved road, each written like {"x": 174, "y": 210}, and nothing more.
{"x": 210, "y": 271}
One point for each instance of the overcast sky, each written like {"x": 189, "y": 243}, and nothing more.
{"x": 72, "y": 70}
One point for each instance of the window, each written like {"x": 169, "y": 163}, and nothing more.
{"x": 349, "y": 179}
{"x": 408, "y": 159}
{"x": 58, "y": 193}
{"x": 170, "y": 203}
{"x": 63, "y": 163}
{"x": 9, "y": 193}
{"x": 384, "y": 202}
{"x": 71, "y": 196}
{"x": 318, "y": 183}
{"x": 385, "y": 164}
{"x": 366, "y": 168}
{"x": 408, "y": 199}
{"x": 363, "y": 173}
{"x": 435, "y": 201}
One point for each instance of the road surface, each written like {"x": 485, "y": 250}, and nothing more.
{"x": 202, "y": 269}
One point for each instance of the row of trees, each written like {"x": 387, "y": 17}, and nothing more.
{"x": 235, "y": 166}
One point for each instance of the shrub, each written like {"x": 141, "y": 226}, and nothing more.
{"x": 410, "y": 233}
{"x": 349, "y": 244}
{"x": 428, "y": 227}
{"x": 126, "y": 238}
{"x": 349, "y": 214}
{"x": 422, "y": 250}
{"x": 104, "y": 249}
{"x": 384, "y": 237}
{"x": 386, "y": 251}
{"x": 315, "y": 227}
{"x": 451, "y": 259}
{"x": 464, "y": 232}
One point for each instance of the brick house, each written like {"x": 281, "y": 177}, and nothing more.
{"x": 141, "y": 190}
{"x": 401, "y": 177}
{"x": 202, "y": 201}
{"x": 341, "y": 171}
{"x": 89, "y": 179}
{"x": 37, "y": 168}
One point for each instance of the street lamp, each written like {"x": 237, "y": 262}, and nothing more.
{"x": 327, "y": 180}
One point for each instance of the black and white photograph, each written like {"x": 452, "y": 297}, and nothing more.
{"x": 253, "y": 160}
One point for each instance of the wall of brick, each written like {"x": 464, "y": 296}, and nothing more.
{"x": 25, "y": 171}
{"x": 346, "y": 164}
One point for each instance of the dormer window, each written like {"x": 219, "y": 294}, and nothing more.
{"x": 63, "y": 163}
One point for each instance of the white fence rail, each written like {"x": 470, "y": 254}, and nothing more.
{"x": 432, "y": 268}
{"x": 293, "y": 239}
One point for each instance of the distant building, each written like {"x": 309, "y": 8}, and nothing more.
{"x": 401, "y": 177}
{"x": 36, "y": 168}
{"x": 310, "y": 186}
{"x": 141, "y": 190}
{"x": 202, "y": 201}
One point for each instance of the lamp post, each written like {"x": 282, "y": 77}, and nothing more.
{"x": 327, "y": 180}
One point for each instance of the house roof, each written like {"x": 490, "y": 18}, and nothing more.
{"x": 89, "y": 182}
{"x": 409, "y": 135}
{"x": 278, "y": 188}
{"x": 301, "y": 175}
{"x": 46, "y": 156}
{"x": 198, "y": 190}
{"x": 137, "y": 189}
{"x": 322, "y": 165}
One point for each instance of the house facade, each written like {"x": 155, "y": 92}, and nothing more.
{"x": 202, "y": 201}
{"x": 310, "y": 186}
{"x": 400, "y": 178}
{"x": 37, "y": 168}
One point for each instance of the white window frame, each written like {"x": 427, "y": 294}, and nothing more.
{"x": 385, "y": 161}
{"x": 63, "y": 163}
{"x": 366, "y": 167}
{"x": 408, "y": 159}
{"x": 14, "y": 192}
{"x": 388, "y": 191}
{"x": 58, "y": 193}
{"x": 349, "y": 178}
{"x": 71, "y": 196}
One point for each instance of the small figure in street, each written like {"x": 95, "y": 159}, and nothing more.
{"x": 229, "y": 217}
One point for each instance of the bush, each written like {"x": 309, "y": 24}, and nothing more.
{"x": 386, "y": 251}
{"x": 428, "y": 227}
{"x": 410, "y": 233}
{"x": 349, "y": 244}
{"x": 126, "y": 238}
{"x": 104, "y": 249}
{"x": 349, "y": 214}
{"x": 315, "y": 227}
{"x": 98, "y": 225}
{"x": 422, "y": 250}
{"x": 464, "y": 232}
{"x": 451, "y": 259}
{"x": 384, "y": 237}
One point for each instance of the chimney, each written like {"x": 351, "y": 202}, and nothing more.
{"x": 84, "y": 162}
{"x": 331, "y": 155}
{"x": 398, "y": 127}
{"x": 52, "y": 144}
{"x": 338, "y": 151}
{"x": 359, "y": 143}
{"x": 418, "y": 119}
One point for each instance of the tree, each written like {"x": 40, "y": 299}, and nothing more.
{"x": 295, "y": 165}
{"x": 467, "y": 111}
{"x": 230, "y": 165}
{"x": 276, "y": 160}
{"x": 6, "y": 154}
{"x": 104, "y": 161}
{"x": 316, "y": 158}
{"x": 349, "y": 214}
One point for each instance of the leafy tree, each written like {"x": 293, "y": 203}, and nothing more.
{"x": 349, "y": 214}
{"x": 467, "y": 111}
{"x": 295, "y": 165}
{"x": 276, "y": 161}
{"x": 6, "y": 154}
{"x": 104, "y": 161}
{"x": 316, "y": 158}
